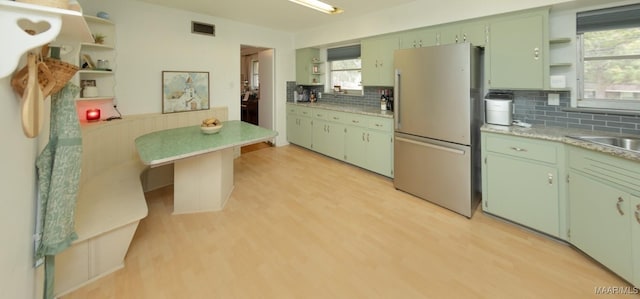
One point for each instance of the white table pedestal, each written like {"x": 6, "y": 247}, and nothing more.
{"x": 203, "y": 183}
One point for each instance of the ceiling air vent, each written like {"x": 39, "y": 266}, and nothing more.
{"x": 203, "y": 28}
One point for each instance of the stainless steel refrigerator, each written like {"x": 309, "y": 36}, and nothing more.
{"x": 438, "y": 98}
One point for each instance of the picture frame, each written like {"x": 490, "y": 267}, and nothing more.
{"x": 184, "y": 91}
{"x": 87, "y": 62}
{"x": 85, "y": 83}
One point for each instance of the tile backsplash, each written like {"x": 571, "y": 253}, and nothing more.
{"x": 371, "y": 97}
{"x": 529, "y": 106}
{"x": 532, "y": 107}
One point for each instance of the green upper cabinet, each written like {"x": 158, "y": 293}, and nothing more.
{"x": 377, "y": 60}
{"x": 474, "y": 33}
{"x": 471, "y": 32}
{"x": 517, "y": 51}
{"x": 419, "y": 38}
{"x": 305, "y": 60}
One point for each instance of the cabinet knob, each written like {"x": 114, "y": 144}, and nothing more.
{"x": 550, "y": 178}
{"x": 638, "y": 213}
{"x": 619, "y": 206}
{"x": 362, "y": 136}
{"x": 536, "y": 53}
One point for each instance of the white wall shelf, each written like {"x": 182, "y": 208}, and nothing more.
{"x": 97, "y": 46}
{"x": 95, "y": 99}
{"x": 49, "y": 23}
{"x": 95, "y": 72}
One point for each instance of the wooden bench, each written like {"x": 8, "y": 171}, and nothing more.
{"x": 111, "y": 200}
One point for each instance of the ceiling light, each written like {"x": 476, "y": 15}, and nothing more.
{"x": 319, "y": 5}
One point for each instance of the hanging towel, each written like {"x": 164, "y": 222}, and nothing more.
{"x": 58, "y": 179}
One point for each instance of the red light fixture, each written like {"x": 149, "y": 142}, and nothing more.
{"x": 93, "y": 114}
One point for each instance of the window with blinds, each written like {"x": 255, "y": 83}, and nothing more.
{"x": 345, "y": 68}
{"x": 609, "y": 58}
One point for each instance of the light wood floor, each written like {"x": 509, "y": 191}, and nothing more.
{"x": 254, "y": 147}
{"x": 300, "y": 225}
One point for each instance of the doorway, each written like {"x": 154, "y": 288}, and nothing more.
{"x": 257, "y": 78}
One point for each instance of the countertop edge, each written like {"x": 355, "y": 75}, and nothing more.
{"x": 358, "y": 109}
{"x": 559, "y": 134}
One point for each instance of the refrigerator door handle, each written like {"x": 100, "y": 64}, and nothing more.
{"x": 396, "y": 98}
{"x": 438, "y": 147}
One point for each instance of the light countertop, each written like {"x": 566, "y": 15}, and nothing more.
{"x": 360, "y": 109}
{"x": 559, "y": 134}
{"x": 166, "y": 146}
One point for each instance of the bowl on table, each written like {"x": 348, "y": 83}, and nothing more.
{"x": 211, "y": 129}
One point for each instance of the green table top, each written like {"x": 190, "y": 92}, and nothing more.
{"x": 166, "y": 146}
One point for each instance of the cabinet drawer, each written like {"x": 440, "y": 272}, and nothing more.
{"x": 616, "y": 170}
{"x": 356, "y": 120}
{"x": 380, "y": 123}
{"x": 523, "y": 148}
{"x": 329, "y": 115}
{"x": 292, "y": 110}
{"x": 305, "y": 111}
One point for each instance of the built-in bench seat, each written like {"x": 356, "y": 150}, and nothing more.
{"x": 109, "y": 207}
{"x": 111, "y": 202}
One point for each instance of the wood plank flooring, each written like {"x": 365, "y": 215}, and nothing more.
{"x": 300, "y": 225}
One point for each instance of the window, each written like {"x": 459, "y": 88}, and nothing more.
{"x": 609, "y": 58}
{"x": 346, "y": 74}
{"x": 345, "y": 68}
{"x": 255, "y": 74}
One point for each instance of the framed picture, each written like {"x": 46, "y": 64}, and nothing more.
{"x": 184, "y": 91}
{"x": 87, "y": 62}
{"x": 85, "y": 83}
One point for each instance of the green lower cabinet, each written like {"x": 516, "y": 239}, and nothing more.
{"x": 600, "y": 223}
{"x": 635, "y": 232}
{"x": 379, "y": 153}
{"x": 299, "y": 130}
{"x": 361, "y": 140}
{"x": 328, "y": 138}
{"x": 356, "y": 146}
{"x": 521, "y": 182}
{"x": 369, "y": 149}
{"x": 522, "y": 191}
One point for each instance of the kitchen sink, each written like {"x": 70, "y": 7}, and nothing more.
{"x": 626, "y": 143}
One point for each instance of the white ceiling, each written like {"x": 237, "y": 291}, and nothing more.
{"x": 280, "y": 15}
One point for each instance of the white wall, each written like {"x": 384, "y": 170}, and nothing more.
{"x": 17, "y": 202}
{"x": 152, "y": 38}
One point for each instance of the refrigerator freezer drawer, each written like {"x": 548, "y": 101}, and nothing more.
{"x": 437, "y": 171}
